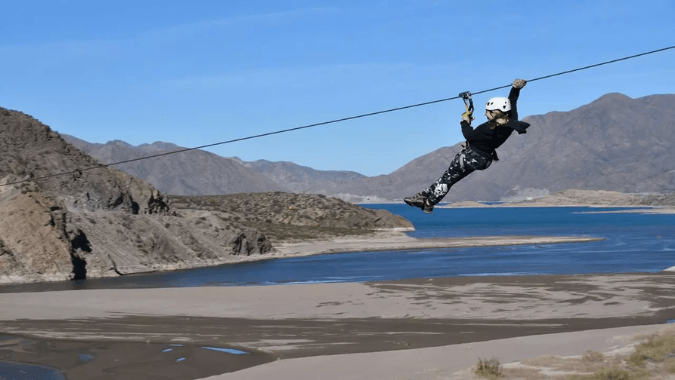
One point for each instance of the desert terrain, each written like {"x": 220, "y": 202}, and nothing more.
{"x": 411, "y": 329}
{"x": 102, "y": 222}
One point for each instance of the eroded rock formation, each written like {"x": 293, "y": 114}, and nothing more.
{"x": 94, "y": 221}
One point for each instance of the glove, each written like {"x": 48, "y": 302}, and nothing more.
{"x": 519, "y": 83}
{"x": 468, "y": 115}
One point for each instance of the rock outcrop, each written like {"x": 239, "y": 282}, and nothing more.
{"x": 33, "y": 245}
{"x": 94, "y": 221}
{"x": 286, "y": 216}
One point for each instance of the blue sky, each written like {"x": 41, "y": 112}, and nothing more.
{"x": 198, "y": 72}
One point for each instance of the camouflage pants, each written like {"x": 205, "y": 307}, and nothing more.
{"x": 464, "y": 163}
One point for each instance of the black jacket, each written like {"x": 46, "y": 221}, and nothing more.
{"x": 485, "y": 140}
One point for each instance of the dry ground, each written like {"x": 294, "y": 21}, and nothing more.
{"x": 411, "y": 322}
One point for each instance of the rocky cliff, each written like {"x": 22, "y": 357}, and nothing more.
{"x": 94, "y": 223}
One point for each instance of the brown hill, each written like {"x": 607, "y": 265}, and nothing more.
{"x": 104, "y": 222}
{"x": 283, "y": 216}
{"x": 31, "y": 150}
{"x": 94, "y": 223}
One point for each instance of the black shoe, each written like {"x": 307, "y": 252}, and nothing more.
{"x": 420, "y": 201}
{"x": 416, "y": 200}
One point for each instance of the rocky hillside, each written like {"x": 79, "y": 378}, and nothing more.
{"x": 93, "y": 223}
{"x": 103, "y": 222}
{"x": 284, "y": 216}
{"x": 32, "y": 150}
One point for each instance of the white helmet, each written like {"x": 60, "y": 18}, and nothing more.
{"x": 498, "y": 103}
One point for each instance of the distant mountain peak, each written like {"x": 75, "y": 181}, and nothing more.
{"x": 160, "y": 145}
{"x": 612, "y": 97}
{"x": 119, "y": 143}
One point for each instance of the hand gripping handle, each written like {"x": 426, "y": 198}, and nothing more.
{"x": 468, "y": 102}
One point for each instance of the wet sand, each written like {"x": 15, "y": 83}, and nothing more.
{"x": 455, "y": 362}
{"x": 305, "y": 326}
{"x": 133, "y": 360}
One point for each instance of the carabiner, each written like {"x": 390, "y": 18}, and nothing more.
{"x": 468, "y": 102}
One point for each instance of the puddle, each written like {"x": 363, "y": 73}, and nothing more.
{"x": 167, "y": 350}
{"x": 85, "y": 357}
{"x": 21, "y": 371}
{"x": 227, "y": 350}
{"x": 670, "y": 321}
{"x": 179, "y": 360}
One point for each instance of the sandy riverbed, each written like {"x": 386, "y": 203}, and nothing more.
{"x": 380, "y": 330}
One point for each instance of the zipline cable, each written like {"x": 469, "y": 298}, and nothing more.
{"x": 336, "y": 120}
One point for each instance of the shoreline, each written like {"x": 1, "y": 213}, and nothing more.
{"x": 379, "y": 240}
{"x": 394, "y": 240}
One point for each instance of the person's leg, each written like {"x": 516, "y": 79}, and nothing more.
{"x": 461, "y": 166}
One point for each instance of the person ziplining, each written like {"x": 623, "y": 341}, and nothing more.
{"x": 481, "y": 144}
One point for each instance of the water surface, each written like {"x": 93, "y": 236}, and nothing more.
{"x": 633, "y": 243}
{"x": 21, "y": 371}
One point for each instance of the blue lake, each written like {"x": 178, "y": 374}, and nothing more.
{"x": 22, "y": 371}
{"x": 633, "y": 243}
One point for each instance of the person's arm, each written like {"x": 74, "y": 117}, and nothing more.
{"x": 471, "y": 134}
{"x": 467, "y": 118}
{"x": 467, "y": 129}
{"x": 513, "y": 96}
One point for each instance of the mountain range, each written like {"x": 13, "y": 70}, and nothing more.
{"x": 614, "y": 143}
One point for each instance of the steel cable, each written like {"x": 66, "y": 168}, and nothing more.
{"x": 336, "y": 120}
